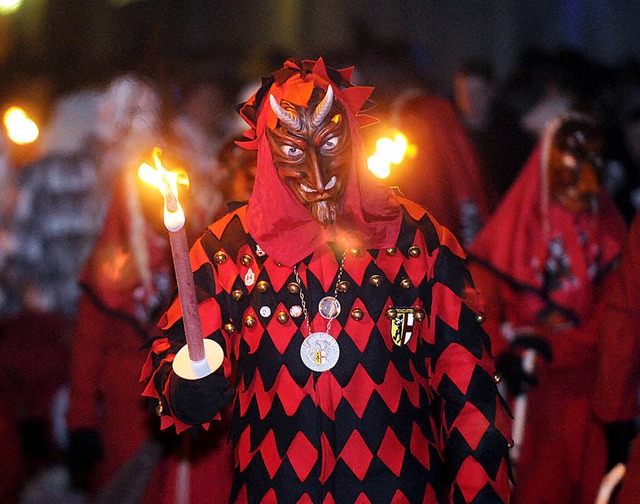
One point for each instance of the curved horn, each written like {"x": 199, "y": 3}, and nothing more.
{"x": 288, "y": 118}
{"x": 323, "y": 108}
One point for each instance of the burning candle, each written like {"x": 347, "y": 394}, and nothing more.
{"x": 204, "y": 356}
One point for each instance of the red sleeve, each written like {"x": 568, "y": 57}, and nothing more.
{"x": 616, "y": 392}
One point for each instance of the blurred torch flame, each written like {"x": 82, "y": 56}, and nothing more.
{"x": 389, "y": 151}
{"x": 20, "y": 129}
{"x": 167, "y": 183}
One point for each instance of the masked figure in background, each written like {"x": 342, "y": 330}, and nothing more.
{"x": 539, "y": 264}
{"x": 616, "y": 392}
{"x": 444, "y": 175}
{"x": 356, "y": 369}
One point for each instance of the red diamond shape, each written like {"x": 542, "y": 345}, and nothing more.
{"x": 472, "y": 424}
{"x": 289, "y": 392}
{"x": 391, "y": 452}
{"x": 357, "y": 266}
{"x": 417, "y": 267}
{"x": 384, "y": 325}
{"x": 419, "y": 446}
{"x": 359, "y": 390}
{"x": 360, "y": 330}
{"x": 390, "y": 265}
{"x": 357, "y": 455}
{"x": 269, "y": 497}
{"x": 302, "y": 455}
{"x": 324, "y": 266}
{"x": 470, "y": 479}
{"x": 252, "y": 335}
{"x": 269, "y": 451}
{"x": 278, "y": 275}
{"x": 281, "y": 334}
{"x": 457, "y": 362}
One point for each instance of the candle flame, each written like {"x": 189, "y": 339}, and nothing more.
{"x": 167, "y": 183}
{"x": 20, "y": 129}
{"x": 389, "y": 151}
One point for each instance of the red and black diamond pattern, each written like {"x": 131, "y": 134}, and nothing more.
{"x": 421, "y": 422}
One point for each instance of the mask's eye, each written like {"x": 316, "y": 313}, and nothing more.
{"x": 291, "y": 151}
{"x": 330, "y": 144}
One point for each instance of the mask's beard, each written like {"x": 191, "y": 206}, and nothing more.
{"x": 324, "y": 212}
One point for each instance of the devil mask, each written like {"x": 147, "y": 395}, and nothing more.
{"x": 311, "y": 149}
{"x": 574, "y": 165}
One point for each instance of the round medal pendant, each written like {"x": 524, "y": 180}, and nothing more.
{"x": 320, "y": 351}
{"x": 329, "y": 307}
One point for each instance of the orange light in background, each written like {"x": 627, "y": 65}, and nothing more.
{"x": 9, "y": 6}
{"x": 20, "y": 129}
{"x": 389, "y": 151}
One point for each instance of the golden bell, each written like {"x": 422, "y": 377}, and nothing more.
{"x": 405, "y": 283}
{"x": 414, "y": 251}
{"x": 497, "y": 377}
{"x": 220, "y": 257}
{"x": 391, "y": 251}
{"x": 293, "y": 288}
{"x": 283, "y": 317}
{"x": 357, "y": 314}
{"x": 376, "y": 280}
{"x": 354, "y": 252}
{"x": 343, "y": 286}
{"x": 159, "y": 409}
{"x": 480, "y": 318}
{"x": 237, "y": 294}
{"x": 249, "y": 321}
{"x": 229, "y": 328}
{"x": 391, "y": 313}
{"x": 246, "y": 260}
{"x": 262, "y": 286}
{"x": 419, "y": 314}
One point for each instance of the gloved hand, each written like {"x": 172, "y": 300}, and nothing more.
{"x": 85, "y": 449}
{"x": 509, "y": 363}
{"x": 619, "y": 436}
{"x": 198, "y": 401}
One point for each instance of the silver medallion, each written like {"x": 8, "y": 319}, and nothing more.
{"x": 320, "y": 351}
{"x": 265, "y": 311}
{"x": 329, "y": 307}
{"x": 295, "y": 311}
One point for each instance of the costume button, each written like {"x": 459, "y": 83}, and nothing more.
{"x": 355, "y": 252}
{"x": 391, "y": 313}
{"x": 357, "y": 314}
{"x": 510, "y": 444}
{"x": 220, "y": 257}
{"x": 159, "y": 409}
{"x": 283, "y": 317}
{"x": 262, "y": 286}
{"x": 414, "y": 251}
{"x": 480, "y": 318}
{"x": 419, "y": 314}
{"x": 249, "y": 321}
{"x": 246, "y": 259}
{"x": 376, "y": 280}
{"x": 497, "y": 377}
{"x": 405, "y": 283}
{"x": 343, "y": 286}
{"x": 391, "y": 251}
{"x": 293, "y": 288}
{"x": 237, "y": 294}
{"x": 229, "y": 328}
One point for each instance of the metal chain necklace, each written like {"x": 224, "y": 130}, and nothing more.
{"x": 319, "y": 350}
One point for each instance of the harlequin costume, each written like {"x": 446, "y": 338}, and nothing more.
{"x": 616, "y": 391}
{"x": 444, "y": 176}
{"x": 419, "y": 420}
{"x": 532, "y": 260}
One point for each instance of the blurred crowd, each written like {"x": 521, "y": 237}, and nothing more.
{"x": 86, "y": 266}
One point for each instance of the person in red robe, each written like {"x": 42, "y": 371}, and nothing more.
{"x": 540, "y": 264}
{"x": 616, "y": 393}
{"x": 444, "y": 174}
